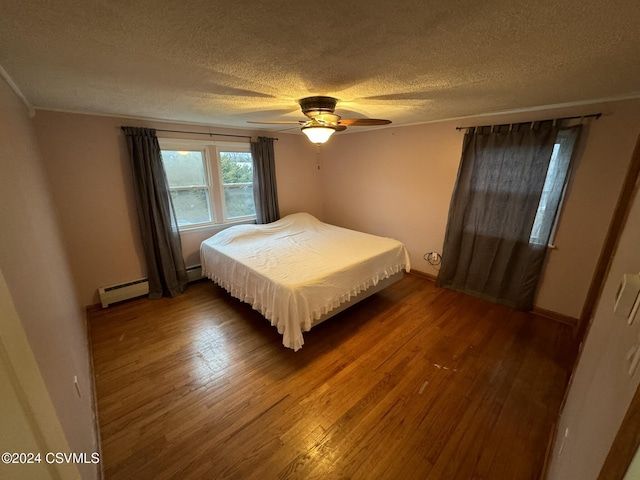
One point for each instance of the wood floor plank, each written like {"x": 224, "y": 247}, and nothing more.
{"x": 414, "y": 382}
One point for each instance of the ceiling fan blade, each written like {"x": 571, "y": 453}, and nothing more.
{"x": 339, "y": 128}
{"x": 363, "y": 122}
{"x": 279, "y": 122}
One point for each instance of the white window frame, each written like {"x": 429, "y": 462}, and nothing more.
{"x": 210, "y": 150}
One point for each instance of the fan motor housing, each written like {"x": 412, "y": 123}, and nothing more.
{"x": 312, "y": 106}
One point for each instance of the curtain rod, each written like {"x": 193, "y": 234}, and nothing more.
{"x": 593, "y": 115}
{"x": 210, "y": 134}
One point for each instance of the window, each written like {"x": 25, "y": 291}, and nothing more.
{"x": 544, "y": 225}
{"x": 210, "y": 182}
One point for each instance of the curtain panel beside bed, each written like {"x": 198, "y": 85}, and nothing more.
{"x": 265, "y": 192}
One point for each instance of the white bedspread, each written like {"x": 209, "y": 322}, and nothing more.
{"x": 298, "y": 268}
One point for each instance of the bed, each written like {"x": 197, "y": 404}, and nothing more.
{"x": 299, "y": 271}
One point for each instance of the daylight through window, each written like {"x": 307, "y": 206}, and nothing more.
{"x": 210, "y": 183}
{"x": 555, "y": 184}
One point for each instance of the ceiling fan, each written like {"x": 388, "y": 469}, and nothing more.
{"x": 322, "y": 122}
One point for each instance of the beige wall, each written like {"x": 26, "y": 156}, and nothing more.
{"x": 398, "y": 182}
{"x": 36, "y": 270}
{"x": 87, "y": 161}
{"x": 602, "y": 389}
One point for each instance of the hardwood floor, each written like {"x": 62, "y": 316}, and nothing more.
{"x": 415, "y": 382}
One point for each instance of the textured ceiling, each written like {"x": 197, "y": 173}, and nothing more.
{"x": 223, "y": 62}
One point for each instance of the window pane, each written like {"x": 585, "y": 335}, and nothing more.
{"x": 237, "y": 179}
{"x": 237, "y": 167}
{"x": 542, "y": 215}
{"x": 191, "y": 206}
{"x": 238, "y": 200}
{"x": 184, "y": 169}
{"x": 553, "y": 190}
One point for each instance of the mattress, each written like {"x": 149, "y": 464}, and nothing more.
{"x": 297, "y": 269}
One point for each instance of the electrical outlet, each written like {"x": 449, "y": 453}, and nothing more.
{"x": 433, "y": 258}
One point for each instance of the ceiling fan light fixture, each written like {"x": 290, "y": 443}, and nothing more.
{"x": 318, "y": 134}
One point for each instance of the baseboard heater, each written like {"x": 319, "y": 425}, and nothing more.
{"x": 136, "y": 288}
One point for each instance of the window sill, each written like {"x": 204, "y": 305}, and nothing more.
{"x": 549, "y": 246}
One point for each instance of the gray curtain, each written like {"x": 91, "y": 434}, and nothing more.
{"x": 489, "y": 250}
{"x": 265, "y": 192}
{"x": 166, "y": 270}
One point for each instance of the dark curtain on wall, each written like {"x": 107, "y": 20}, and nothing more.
{"x": 265, "y": 192}
{"x": 166, "y": 270}
{"x": 500, "y": 220}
